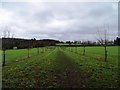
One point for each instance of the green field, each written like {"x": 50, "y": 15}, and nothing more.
{"x": 61, "y": 67}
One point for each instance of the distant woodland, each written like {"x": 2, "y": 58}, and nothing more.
{"x": 10, "y": 43}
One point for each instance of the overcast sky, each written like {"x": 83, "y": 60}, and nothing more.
{"x": 60, "y": 20}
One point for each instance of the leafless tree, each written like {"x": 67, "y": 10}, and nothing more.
{"x": 75, "y": 45}
{"x": 6, "y": 32}
{"x": 13, "y": 35}
{"x": 84, "y": 45}
{"x": 3, "y": 58}
{"x": 28, "y": 48}
{"x": 38, "y": 51}
{"x": 103, "y": 39}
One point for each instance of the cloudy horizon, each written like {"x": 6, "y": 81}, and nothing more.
{"x": 59, "y": 20}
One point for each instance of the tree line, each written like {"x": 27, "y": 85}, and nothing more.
{"x": 10, "y": 43}
{"x": 115, "y": 42}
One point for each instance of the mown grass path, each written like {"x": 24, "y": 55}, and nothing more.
{"x": 60, "y": 72}
{"x": 67, "y": 73}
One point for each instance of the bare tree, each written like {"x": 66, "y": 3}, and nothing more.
{"x": 103, "y": 39}
{"x": 38, "y": 51}
{"x": 13, "y": 35}
{"x": 28, "y": 48}
{"x": 6, "y": 32}
{"x": 75, "y": 45}
{"x": 75, "y": 48}
{"x": 3, "y": 57}
{"x": 4, "y": 47}
{"x": 84, "y": 48}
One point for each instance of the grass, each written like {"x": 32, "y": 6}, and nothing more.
{"x": 21, "y": 54}
{"x": 101, "y": 74}
{"x": 21, "y": 73}
{"x": 59, "y": 67}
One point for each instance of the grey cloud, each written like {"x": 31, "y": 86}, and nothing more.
{"x": 64, "y": 21}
